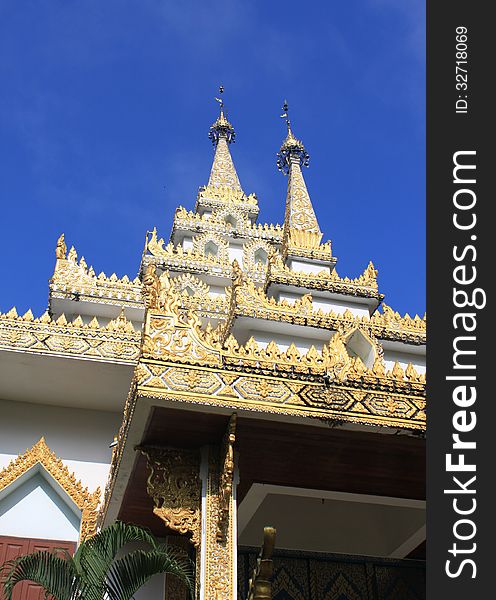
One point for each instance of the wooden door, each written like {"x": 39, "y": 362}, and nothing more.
{"x": 12, "y": 547}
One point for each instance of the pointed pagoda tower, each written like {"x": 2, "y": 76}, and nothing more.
{"x": 224, "y": 189}
{"x": 302, "y": 235}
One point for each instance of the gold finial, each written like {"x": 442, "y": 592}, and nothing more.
{"x": 291, "y": 147}
{"x": 61, "y": 249}
{"x": 220, "y": 100}
{"x": 285, "y": 114}
{"x": 221, "y": 127}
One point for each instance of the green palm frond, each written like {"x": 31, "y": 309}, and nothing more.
{"x": 132, "y": 571}
{"x": 95, "y": 556}
{"x": 56, "y": 575}
{"x": 95, "y": 573}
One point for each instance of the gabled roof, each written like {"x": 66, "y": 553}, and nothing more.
{"x": 40, "y": 454}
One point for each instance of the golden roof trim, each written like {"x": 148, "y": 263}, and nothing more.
{"x": 252, "y": 301}
{"x": 191, "y": 221}
{"x": 41, "y": 454}
{"x": 221, "y": 195}
{"x": 74, "y": 278}
{"x": 364, "y": 285}
{"x": 182, "y": 258}
{"x": 116, "y": 342}
{"x": 172, "y": 336}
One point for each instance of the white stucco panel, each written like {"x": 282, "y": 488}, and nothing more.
{"x": 35, "y": 510}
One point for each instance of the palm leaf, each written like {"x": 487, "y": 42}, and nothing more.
{"x": 95, "y": 555}
{"x": 56, "y": 575}
{"x": 132, "y": 571}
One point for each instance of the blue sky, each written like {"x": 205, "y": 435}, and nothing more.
{"x": 105, "y": 108}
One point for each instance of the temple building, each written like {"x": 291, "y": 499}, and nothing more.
{"x": 237, "y": 383}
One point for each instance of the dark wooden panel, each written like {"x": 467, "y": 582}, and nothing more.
{"x": 184, "y": 428}
{"x": 330, "y": 459}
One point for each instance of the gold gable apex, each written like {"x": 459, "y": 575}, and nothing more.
{"x": 40, "y": 454}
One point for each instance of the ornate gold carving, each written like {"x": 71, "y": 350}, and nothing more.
{"x": 216, "y": 223}
{"x": 61, "y": 249}
{"x": 173, "y": 336}
{"x": 151, "y": 287}
{"x": 219, "y": 550}
{"x": 226, "y": 479}
{"x": 301, "y": 229}
{"x": 300, "y": 216}
{"x": 260, "y": 585}
{"x": 174, "y": 484}
{"x": 223, "y": 173}
{"x": 337, "y": 359}
{"x": 363, "y": 286}
{"x": 176, "y": 257}
{"x": 256, "y": 254}
{"x": 40, "y": 454}
{"x": 76, "y": 280}
{"x": 190, "y": 285}
{"x": 116, "y": 342}
{"x": 253, "y": 301}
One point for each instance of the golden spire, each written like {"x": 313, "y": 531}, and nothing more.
{"x": 301, "y": 229}
{"x": 223, "y": 173}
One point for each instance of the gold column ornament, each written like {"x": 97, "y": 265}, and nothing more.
{"x": 260, "y": 586}
{"x": 218, "y": 580}
{"x": 226, "y": 479}
{"x": 174, "y": 484}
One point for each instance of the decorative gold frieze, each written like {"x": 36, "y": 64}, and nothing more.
{"x": 174, "y": 484}
{"x": 220, "y": 222}
{"x": 358, "y": 400}
{"x": 175, "y": 336}
{"x": 40, "y": 454}
{"x": 116, "y": 342}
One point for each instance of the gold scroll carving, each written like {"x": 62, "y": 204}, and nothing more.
{"x": 174, "y": 484}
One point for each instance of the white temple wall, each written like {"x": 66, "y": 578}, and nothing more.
{"x": 78, "y": 436}
{"x": 217, "y": 290}
{"x": 236, "y": 252}
{"x": 187, "y": 243}
{"x": 403, "y": 358}
{"x": 307, "y": 266}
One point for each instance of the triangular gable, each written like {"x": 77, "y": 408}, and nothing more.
{"x": 40, "y": 454}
